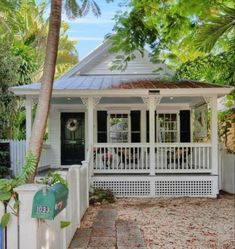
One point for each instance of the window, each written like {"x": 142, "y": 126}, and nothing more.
{"x": 167, "y": 127}
{"x": 118, "y": 128}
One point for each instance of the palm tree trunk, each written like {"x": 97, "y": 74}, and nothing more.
{"x": 40, "y": 122}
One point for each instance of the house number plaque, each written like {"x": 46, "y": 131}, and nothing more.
{"x": 43, "y": 209}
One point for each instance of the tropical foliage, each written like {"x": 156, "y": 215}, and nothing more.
{"x": 8, "y": 75}
{"x": 23, "y": 27}
{"x": 185, "y": 34}
{"x": 211, "y": 68}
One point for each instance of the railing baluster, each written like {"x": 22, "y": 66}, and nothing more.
{"x": 203, "y": 158}
{"x": 186, "y": 154}
{"x": 191, "y": 158}
{"x": 199, "y": 159}
{"x": 208, "y": 157}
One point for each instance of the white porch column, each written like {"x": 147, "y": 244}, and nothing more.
{"x": 90, "y": 103}
{"x": 28, "y": 107}
{"x": 214, "y": 136}
{"x": 90, "y": 125}
{"x": 152, "y": 107}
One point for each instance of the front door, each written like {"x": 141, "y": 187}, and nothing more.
{"x": 72, "y": 138}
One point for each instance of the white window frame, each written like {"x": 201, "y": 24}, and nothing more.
{"x": 122, "y": 112}
{"x": 177, "y": 125}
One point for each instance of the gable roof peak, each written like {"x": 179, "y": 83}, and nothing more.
{"x": 100, "y": 60}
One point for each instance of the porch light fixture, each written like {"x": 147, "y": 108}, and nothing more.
{"x": 68, "y": 98}
{"x": 171, "y": 98}
{"x": 154, "y": 92}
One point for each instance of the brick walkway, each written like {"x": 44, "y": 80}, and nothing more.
{"x": 107, "y": 232}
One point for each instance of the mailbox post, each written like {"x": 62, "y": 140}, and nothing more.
{"x": 49, "y": 201}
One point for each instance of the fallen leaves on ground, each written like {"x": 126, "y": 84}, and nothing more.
{"x": 178, "y": 223}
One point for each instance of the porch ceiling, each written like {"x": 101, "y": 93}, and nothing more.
{"x": 130, "y": 100}
{"x": 181, "y": 100}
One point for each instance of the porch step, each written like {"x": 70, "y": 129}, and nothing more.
{"x": 109, "y": 233}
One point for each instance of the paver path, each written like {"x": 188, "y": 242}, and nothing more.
{"x": 109, "y": 232}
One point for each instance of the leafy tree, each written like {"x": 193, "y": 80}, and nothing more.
{"x": 218, "y": 25}
{"x": 172, "y": 29}
{"x": 9, "y": 65}
{"x": 211, "y": 68}
{"x": 24, "y": 28}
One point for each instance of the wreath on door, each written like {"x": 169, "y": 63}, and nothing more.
{"x": 72, "y": 124}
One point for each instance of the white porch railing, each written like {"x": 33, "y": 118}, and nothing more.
{"x": 135, "y": 158}
{"x": 183, "y": 158}
{"x": 121, "y": 158}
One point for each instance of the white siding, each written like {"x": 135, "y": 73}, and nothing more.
{"x": 140, "y": 65}
{"x": 54, "y": 137}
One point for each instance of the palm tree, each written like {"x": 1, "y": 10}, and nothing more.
{"x": 72, "y": 10}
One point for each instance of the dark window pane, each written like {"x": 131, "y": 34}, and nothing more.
{"x": 135, "y": 120}
{"x": 101, "y": 126}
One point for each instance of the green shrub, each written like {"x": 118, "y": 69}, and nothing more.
{"x": 101, "y": 195}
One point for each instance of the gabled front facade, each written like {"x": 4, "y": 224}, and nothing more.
{"x": 140, "y": 135}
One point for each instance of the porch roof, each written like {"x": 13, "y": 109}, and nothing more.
{"x": 141, "y": 83}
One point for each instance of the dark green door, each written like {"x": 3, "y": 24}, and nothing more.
{"x": 72, "y": 138}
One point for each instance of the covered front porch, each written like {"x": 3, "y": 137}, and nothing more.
{"x": 137, "y": 142}
{"x": 160, "y": 141}
{"x": 149, "y": 134}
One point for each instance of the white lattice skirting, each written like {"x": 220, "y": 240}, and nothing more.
{"x": 159, "y": 186}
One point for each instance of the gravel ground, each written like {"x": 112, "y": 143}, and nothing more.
{"x": 167, "y": 223}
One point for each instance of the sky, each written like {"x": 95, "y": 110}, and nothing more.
{"x": 89, "y": 31}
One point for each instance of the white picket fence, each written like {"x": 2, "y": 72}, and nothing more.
{"x": 25, "y": 232}
{"x": 18, "y": 152}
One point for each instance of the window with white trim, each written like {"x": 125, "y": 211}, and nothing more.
{"x": 167, "y": 127}
{"x": 118, "y": 127}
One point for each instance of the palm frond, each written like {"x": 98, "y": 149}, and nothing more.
{"x": 85, "y": 7}
{"x": 72, "y": 9}
{"x": 95, "y": 9}
{"x": 208, "y": 34}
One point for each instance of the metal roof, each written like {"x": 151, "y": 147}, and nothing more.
{"x": 99, "y": 82}
{"x": 94, "y": 82}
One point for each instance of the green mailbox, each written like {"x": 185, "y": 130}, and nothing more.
{"x": 48, "y": 202}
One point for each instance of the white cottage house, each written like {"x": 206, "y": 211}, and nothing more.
{"x": 139, "y": 134}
